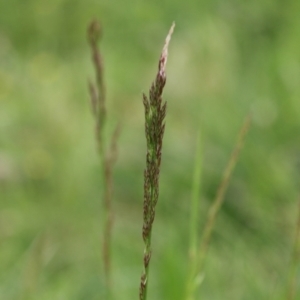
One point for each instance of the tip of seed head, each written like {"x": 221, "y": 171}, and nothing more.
{"x": 164, "y": 53}
{"x": 94, "y": 31}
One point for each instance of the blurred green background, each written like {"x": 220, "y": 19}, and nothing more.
{"x": 226, "y": 58}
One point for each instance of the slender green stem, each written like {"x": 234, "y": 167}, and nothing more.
{"x": 194, "y": 214}
{"x": 194, "y": 217}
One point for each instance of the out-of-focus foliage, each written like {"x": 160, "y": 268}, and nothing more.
{"x": 226, "y": 58}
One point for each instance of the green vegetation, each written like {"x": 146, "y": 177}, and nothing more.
{"x": 227, "y": 58}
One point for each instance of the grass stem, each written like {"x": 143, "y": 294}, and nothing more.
{"x": 194, "y": 212}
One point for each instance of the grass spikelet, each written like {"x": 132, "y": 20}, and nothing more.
{"x": 155, "y": 112}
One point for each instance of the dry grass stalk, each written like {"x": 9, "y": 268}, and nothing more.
{"x": 155, "y": 112}
{"x": 97, "y": 93}
{"x": 108, "y": 156}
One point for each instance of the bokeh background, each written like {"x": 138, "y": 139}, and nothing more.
{"x": 226, "y": 58}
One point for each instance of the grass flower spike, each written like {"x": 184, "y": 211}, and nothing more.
{"x": 107, "y": 154}
{"x": 155, "y": 112}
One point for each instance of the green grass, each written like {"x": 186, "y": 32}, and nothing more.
{"x": 226, "y": 59}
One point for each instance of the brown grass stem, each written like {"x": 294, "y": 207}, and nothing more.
{"x": 155, "y": 112}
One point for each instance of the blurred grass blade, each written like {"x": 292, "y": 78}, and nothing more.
{"x": 295, "y": 261}
{"x": 194, "y": 213}
{"x": 33, "y": 266}
{"x": 215, "y": 207}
